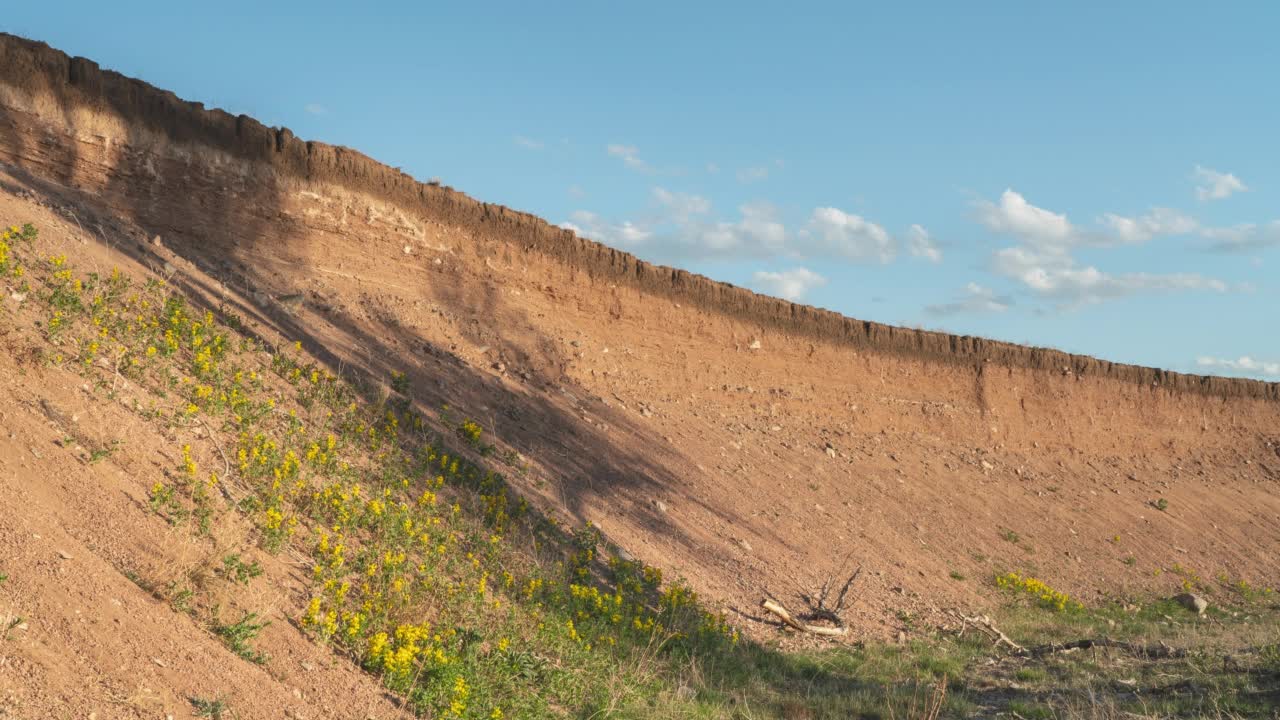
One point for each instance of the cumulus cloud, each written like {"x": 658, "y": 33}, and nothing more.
{"x": 682, "y": 208}
{"x": 836, "y": 232}
{"x": 921, "y": 245}
{"x": 1043, "y": 261}
{"x": 1214, "y": 185}
{"x": 758, "y": 231}
{"x": 789, "y": 284}
{"x": 1013, "y": 215}
{"x": 974, "y": 299}
{"x": 685, "y": 225}
{"x": 753, "y": 174}
{"x": 1160, "y": 221}
{"x": 588, "y": 224}
{"x": 1055, "y": 274}
{"x": 316, "y": 109}
{"x": 680, "y": 227}
{"x": 1244, "y": 365}
{"x": 529, "y": 143}
{"x": 1243, "y": 238}
{"x": 630, "y": 156}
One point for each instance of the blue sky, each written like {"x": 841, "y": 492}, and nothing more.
{"x": 1098, "y": 177}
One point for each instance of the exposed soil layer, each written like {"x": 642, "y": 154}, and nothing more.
{"x": 746, "y": 443}
{"x": 53, "y": 85}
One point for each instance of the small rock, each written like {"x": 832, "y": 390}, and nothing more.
{"x": 661, "y": 506}
{"x": 745, "y": 545}
{"x": 408, "y": 249}
{"x": 987, "y": 466}
{"x": 1192, "y": 602}
{"x": 63, "y": 555}
{"x": 831, "y": 452}
{"x": 157, "y": 241}
{"x": 755, "y": 345}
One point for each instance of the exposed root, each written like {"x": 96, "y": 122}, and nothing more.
{"x": 821, "y": 608}
{"x": 790, "y": 621}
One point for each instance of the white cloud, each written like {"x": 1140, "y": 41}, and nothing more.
{"x": 590, "y": 225}
{"x": 837, "y": 232}
{"x": 529, "y": 143}
{"x": 684, "y": 225}
{"x": 681, "y": 208}
{"x": 789, "y": 284}
{"x": 753, "y": 174}
{"x": 1159, "y": 221}
{"x": 316, "y": 109}
{"x": 921, "y": 245}
{"x": 630, "y": 155}
{"x": 1214, "y": 185}
{"x": 679, "y": 227}
{"x": 974, "y": 299}
{"x": 1244, "y": 365}
{"x": 1015, "y": 216}
{"x": 758, "y": 232}
{"x": 1042, "y": 228}
{"x": 713, "y": 168}
{"x": 576, "y": 192}
{"x": 1057, "y": 276}
{"x": 1043, "y": 263}
{"x": 1246, "y": 237}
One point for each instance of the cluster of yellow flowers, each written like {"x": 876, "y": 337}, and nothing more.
{"x": 1045, "y": 595}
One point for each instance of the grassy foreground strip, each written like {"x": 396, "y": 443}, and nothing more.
{"x": 430, "y": 573}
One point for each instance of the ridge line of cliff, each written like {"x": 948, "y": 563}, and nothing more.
{"x": 75, "y": 84}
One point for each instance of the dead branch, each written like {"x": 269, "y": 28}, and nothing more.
{"x": 1158, "y": 651}
{"x": 790, "y": 620}
{"x": 988, "y": 628}
{"x": 818, "y": 605}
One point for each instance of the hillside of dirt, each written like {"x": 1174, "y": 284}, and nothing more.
{"x": 746, "y": 444}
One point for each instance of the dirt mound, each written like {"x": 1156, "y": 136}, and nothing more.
{"x": 745, "y": 443}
